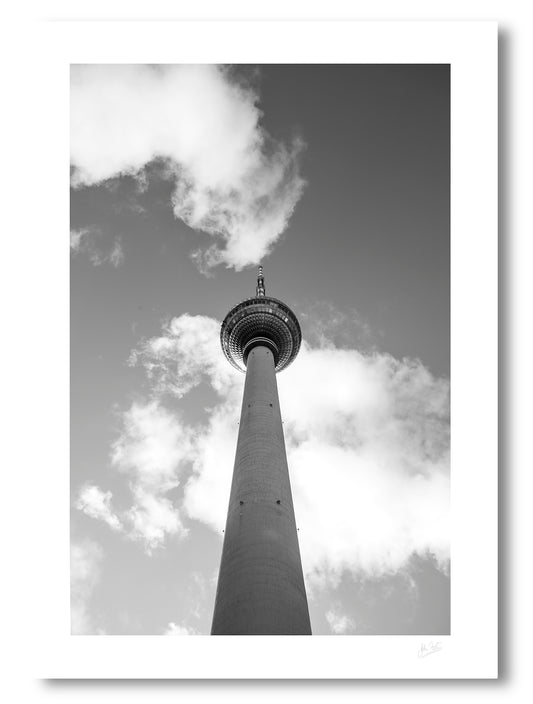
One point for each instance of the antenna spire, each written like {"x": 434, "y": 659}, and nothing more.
{"x": 260, "y": 290}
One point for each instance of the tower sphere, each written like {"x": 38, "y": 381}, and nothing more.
{"x": 261, "y": 320}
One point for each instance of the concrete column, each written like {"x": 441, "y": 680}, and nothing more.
{"x": 260, "y": 586}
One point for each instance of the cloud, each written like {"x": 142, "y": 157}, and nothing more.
{"x": 152, "y": 447}
{"x": 184, "y": 356}
{"x": 368, "y": 448}
{"x": 153, "y": 518}
{"x": 152, "y": 451}
{"x": 187, "y": 352}
{"x": 116, "y": 256}
{"x": 85, "y": 571}
{"x": 79, "y": 237}
{"x": 86, "y": 240}
{"x": 97, "y": 504}
{"x": 339, "y": 623}
{"x": 232, "y": 180}
{"x": 367, "y": 445}
{"x": 381, "y": 428}
{"x": 174, "y": 629}
{"x": 323, "y": 325}
{"x": 207, "y": 490}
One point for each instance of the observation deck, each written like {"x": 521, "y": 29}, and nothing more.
{"x": 261, "y": 320}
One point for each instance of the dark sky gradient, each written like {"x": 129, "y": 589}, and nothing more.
{"x": 372, "y": 230}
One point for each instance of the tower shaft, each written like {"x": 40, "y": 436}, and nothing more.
{"x": 260, "y": 585}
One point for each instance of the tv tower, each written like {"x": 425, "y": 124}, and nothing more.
{"x": 260, "y": 587}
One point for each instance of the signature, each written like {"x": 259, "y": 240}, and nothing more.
{"x": 426, "y": 650}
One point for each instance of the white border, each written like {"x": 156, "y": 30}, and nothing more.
{"x": 471, "y": 650}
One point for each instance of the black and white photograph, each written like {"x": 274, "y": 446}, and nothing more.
{"x": 260, "y": 350}
{"x": 251, "y": 273}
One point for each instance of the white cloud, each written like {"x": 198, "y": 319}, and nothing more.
{"x": 232, "y": 180}
{"x": 381, "y": 428}
{"x": 152, "y": 451}
{"x": 87, "y": 240}
{"x": 85, "y": 571}
{"x": 207, "y": 490}
{"x": 153, "y": 517}
{"x": 116, "y": 256}
{"x": 97, "y": 504}
{"x": 368, "y": 449}
{"x": 79, "y": 237}
{"x": 368, "y": 452}
{"x": 187, "y": 352}
{"x": 174, "y": 629}
{"x": 339, "y": 622}
{"x": 152, "y": 447}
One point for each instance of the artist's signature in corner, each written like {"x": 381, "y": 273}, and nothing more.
{"x": 432, "y": 647}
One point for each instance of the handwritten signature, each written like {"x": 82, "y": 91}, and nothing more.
{"x": 426, "y": 650}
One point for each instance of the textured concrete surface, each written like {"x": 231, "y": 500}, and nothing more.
{"x": 260, "y": 586}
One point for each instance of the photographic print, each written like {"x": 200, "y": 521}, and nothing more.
{"x": 282, "y": 257}
{"x": 260, "y": 349}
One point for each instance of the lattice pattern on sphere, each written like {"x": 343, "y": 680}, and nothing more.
{"x": 260, "y": 317}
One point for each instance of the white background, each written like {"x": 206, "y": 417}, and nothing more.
{"x": 35, "y": 352}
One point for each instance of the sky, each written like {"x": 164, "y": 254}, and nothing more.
{"x": 183, "y": 179}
